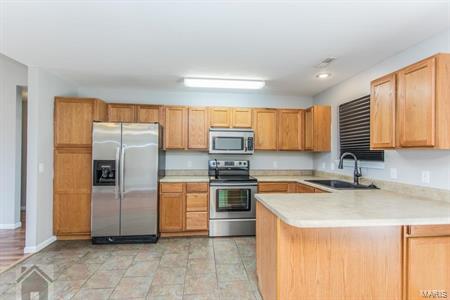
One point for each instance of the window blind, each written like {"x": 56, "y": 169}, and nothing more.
{"x": 354, "y": 129}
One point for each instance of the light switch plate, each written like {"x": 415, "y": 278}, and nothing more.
{"x": 425, "y": 176}
{"x": 394, "y": 174}
{"x": 41, "y": 168}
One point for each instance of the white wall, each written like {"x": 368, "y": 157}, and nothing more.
{"x": 12, "y": 74}
{"x": 43, "y": 86}
{"x": 199, "y": 160}
{"x": 409, "y": 163}
{"x": 185, "y": 160}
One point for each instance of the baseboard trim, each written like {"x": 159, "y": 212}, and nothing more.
{"x": 34, "y": 249}
{"x": 11, "y": 226}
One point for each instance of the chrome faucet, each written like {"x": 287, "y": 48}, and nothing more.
{"x": 357, "y": 171}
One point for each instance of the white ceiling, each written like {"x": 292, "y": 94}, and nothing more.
{"x": 155, "y": 43}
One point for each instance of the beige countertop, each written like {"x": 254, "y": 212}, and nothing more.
{"x": 184, "y": 178}
{"x": 352, "y": 208}
{"x": 344, "y": 208}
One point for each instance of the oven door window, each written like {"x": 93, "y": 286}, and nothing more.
{"x": 228, "y": 143}
{"x": 233, "y": 200}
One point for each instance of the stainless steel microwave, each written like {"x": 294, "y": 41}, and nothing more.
{"x": 231, "y": 141}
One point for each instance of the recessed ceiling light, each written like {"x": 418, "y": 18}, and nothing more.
{"x": 224, "y": 83}
{"x": 323, "y": 75}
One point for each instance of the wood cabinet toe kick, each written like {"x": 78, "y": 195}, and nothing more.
{"x": 380, "y": 262}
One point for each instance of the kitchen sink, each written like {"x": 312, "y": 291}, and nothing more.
{"x": 342, "y": 185}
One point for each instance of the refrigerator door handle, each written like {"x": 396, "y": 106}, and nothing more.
{"x": 117, "y": 181}
{"x": 122, "y": 171}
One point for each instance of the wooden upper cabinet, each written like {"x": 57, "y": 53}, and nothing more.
{"x": 241, "y": 118}
{"x": 265, "y": 123}
{"x": 308, "y": 144}
{"x": 220, "y": 117}
{"x": 411, "y": 108}
{"x": 198, "y": 128}
{"x": 149, "y": 114}
{"x": 416, "y": 104}
{"x": 122, "y": 113}
{"x": 290, "y": 129}
{"x": 383, "y": 112}
{"x": 318, "y": 128}
{"x": 175, "y": 131}
{"x": 100, "y": 111}
{"x": 73, "y": 122}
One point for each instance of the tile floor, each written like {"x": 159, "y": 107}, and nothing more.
{"x": 179, "y": 268}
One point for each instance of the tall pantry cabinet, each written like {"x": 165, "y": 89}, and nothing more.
{"x": 72, "y": 181}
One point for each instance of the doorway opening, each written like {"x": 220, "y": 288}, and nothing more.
{"x": 12, "y": 241}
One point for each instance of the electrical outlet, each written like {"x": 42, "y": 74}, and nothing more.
{"x": 425, "y": 176}
{"x": 41, "y": 168}
{"x": 324, "y": 165}
{"x": 393, "y": 173}
{"x": 189, "y": 163}
{"x": 332, "y": 166}
{"x": 275, "y": 164}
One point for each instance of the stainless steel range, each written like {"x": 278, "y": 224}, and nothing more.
{"x": 232, "y": 198}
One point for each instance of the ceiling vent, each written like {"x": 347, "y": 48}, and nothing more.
{"x": 324, "y": 63}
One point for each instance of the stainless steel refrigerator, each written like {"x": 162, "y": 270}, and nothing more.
{"x": 127, "y": 162}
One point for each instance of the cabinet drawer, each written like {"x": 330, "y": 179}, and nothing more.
{"x": 197, "y": 221}
{"x": 197, "y": 187}
{"x": 273, "y": 187}
{"x": 172, "y": 187}
{"x": 429, "y": 230}
{"x": 197, "y": 202}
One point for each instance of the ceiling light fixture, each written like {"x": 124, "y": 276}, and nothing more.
{"x": 224, "y": 83}
{"x": 323, "y": 75}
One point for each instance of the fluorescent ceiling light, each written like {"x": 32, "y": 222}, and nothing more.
{"x": 323, "y": 75}
{"x": 224, "y": 83}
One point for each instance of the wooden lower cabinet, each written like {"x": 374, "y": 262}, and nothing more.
{"x": 72, "y": 192}
{"x": 377, "y": 262}
{"x": 427, "y": 257}
{"x": 183, "y": 209}
{"x": 326, "y": 263}
{"x": 303, "y": 188}
{"x": 286, "y": 187}
{"x": 72, "y": 214}
{"x": 171, "y": 212}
